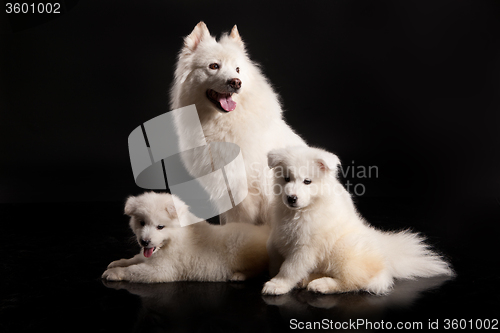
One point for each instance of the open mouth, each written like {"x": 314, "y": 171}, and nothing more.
{"x": 222, "y": 100}
{"x": 148, "y": 251}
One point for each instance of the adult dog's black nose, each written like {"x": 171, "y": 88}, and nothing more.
{"x": 145, "y": 242}
{"x": 292, "y": 199}
{"x": 234, "y": 83}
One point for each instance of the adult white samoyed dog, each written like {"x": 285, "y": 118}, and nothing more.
{"x": 235, "y": 103}
{"x": 324, "y": 242}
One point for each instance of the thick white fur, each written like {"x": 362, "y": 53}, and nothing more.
{"x": 256, "y": 125}
{"x": 198, "y": 252}
{"x": 324, "y": 242}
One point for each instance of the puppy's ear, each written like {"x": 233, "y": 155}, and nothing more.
{"x": 199, "y": 33}
{"x": 176, "y": 207}
{"x": 235, "y": 35}
{"x": 131, "y": 206}
{"x": 327, "y": 161}
{"x": 275, "y": 157}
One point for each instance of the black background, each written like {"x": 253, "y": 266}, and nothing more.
{"x": 411, "y": 87}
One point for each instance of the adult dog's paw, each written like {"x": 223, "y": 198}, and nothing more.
{"x": 238, "y": 277}
{"x": 275, "y": 287}
{"x": 114, "y": 274}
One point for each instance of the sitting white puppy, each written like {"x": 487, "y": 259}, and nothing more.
{"x": 197, "y": 252}
{"x": 324, "y": 242}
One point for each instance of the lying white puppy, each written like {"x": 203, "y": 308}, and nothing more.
{"x": 324, "y": 242}
{"x": 197, "y": 252}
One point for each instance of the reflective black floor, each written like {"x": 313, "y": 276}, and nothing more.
{"x": 53, "y": 256}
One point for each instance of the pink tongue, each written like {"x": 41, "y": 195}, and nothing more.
{"x": 148, "y": 252}
{"x": 227, "y": 102}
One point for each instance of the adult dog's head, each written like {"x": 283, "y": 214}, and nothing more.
{"x": 210, "y": 72}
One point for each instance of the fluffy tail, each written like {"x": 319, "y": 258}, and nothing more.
{"x": 409, "y": 257}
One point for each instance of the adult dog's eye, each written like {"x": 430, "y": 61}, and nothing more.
{"x": 160, "y": 227}
{"x": 237, "y": 69}
{"x": 213, "y": 66}
{"x": 142, "y": 223}
{"x": 307, "y": 181}
{"x": 287, "y": 179}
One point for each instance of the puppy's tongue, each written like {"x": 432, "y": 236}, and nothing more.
{"x": 226, "y": 102}
{"x": 148, "y": 251}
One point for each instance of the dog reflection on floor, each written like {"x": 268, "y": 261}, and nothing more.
{"x": 197, "y": 306}
{"x": 238, "y": 307}
{"x": 354, "y": 305}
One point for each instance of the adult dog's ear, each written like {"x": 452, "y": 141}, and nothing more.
{"x": 235, "y": 35}
{"x": 131, "y": 206}
{"x": 327, "y": 161}
{"x": 199, "y": 33}
{"x": 275, "y": 157}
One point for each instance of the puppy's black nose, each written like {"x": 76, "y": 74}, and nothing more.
{"x": 292, "y": 199}
{"x": 145, "y": 242}
{"x": 234, "y": 83}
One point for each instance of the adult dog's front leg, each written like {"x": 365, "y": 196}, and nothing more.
{"x": 295, "y": 268}
{"x": 275, "y": 258}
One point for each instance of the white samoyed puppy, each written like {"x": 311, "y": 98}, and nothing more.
{"x": 323, "y": 241}
{"x": 197, "y": 252}
{"x": 235, "y": 103}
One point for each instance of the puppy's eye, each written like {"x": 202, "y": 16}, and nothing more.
{"x": 142, "y": 223}
{"x": 287, "y": 179}
{"x": 160, "y": 227}
{"x": 237, "y": 69}
{"x": 213, "y": 66}
{"x": 307, "y": 181}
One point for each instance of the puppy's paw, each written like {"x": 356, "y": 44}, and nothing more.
{"x": 114, "y": 274}
{"x": 324, "y": 285}
{"x": 275, "y": 287}
{"x": 117, "y": 263}
{"x": 238, "y": 276}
